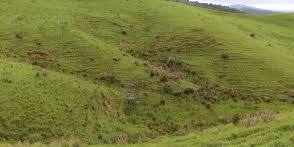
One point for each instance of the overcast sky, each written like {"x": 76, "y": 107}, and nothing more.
{"x": 285, "y": 5}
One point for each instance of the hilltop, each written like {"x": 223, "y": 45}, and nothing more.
{"x": 131, "y": 71}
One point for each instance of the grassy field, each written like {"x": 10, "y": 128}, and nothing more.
{"x": 130, "y": 71}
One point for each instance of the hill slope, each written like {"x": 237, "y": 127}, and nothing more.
{"x": 276, "y": 133}
{"x": 107, "y": 71}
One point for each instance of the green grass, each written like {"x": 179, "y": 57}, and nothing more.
{"x": 68, "y": 66}
{"x": 276, "y": 133}
{"x": 37, "y": 104}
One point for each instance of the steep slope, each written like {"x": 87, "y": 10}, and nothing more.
{"x": 114, "y": 71}
{"x": 37, "y": 104}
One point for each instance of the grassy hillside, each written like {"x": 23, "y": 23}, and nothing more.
{"x": 276, "y": 133}
{"x": 128, "y": 71}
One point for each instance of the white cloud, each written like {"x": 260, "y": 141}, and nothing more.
{"x": 283, "y": 7}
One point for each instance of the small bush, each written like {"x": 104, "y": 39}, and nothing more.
{"x": 164, "y": 79}
{"x": 154, "y": 73}
{"x": 124, "y": 32}
{"x": 236, "y": 119}
{"x": 208, "y": 105}
{"x": 162, "y": 102}
{"x": 110, "y": 79}
{"x": 225, "y": 56}
{"x": 167, "y": 88}
{"x": 7, "y": 81}
{"x": 189, "y": 91}
{"x": 18, "y": 36}
{"x": 253, "y": 35}
{"x": 37, "y": 74}
{"x": 116, "y": 59}
{"x": 200, "y": 125}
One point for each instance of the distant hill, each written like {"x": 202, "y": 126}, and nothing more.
{"x": 211, "y": 6}
{"x": 252, "y": 10}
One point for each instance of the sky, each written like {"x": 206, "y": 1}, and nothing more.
{"x": 280, "y": 5}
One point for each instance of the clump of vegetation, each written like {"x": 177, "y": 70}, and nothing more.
{"x": 124, "y": 32}
{"x": 225, "y": 56}
{"x": 116, "y": 59}
{"x": 253, "y": 35}
{"x": 19, "y": 35}
{"x": 110, "y": 79}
